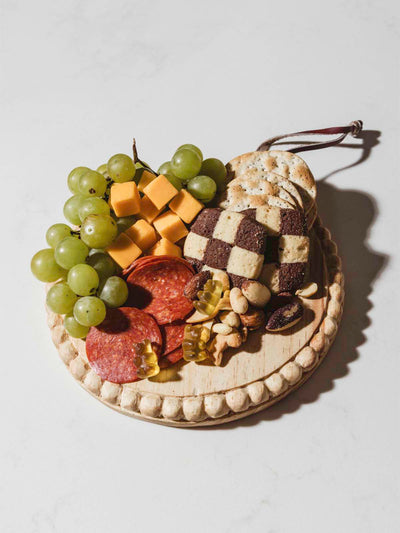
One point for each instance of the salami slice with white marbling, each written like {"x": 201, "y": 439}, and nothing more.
{"x": 111, "y": 346}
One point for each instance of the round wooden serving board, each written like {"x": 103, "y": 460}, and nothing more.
{"x": 255, "y": 376}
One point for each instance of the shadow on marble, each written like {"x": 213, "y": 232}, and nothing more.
{"x": 349, "y": 214}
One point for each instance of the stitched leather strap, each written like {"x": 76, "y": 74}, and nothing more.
{"x": 354, "y": 128}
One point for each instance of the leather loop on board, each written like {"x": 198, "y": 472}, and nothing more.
{"x": 354, "y": 128}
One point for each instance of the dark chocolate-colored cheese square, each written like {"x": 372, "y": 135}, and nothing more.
{"x": 292, "y": 222}
{"x": 291, "y": 276}
{"x": 251, "y": 236}
{"x": 217, "y": 254}
{"x": 237, "y": 280}
{"x": 196, "y": 264}
{"x": 271, "y": 254}
{"x": 206, "y": 221}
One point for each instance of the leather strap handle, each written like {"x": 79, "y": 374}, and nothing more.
{"x": 354, "y": 128}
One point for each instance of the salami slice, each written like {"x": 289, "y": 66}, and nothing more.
{"x": 171, "y": 358}
{"x": 172, "y": 335}
{"x": 110, "y": 347}
{"x": 147, "y": 259}
{"x": 157, "y": 288}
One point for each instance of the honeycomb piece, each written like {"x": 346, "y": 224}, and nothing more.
{"x": 146, "y": 360}
{"x": 194, "y": 342}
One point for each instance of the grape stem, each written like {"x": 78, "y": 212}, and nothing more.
{"x": 137, "y": 160}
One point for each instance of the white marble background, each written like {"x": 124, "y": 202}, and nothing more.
{"x": 78, "y": 80}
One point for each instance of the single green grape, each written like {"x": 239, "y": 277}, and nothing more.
{"x": 71, "y": 209}
{"x": 191, "y": 147}
{"x": 89, "y": 311}
{"x": 44, "y": 266}
{"x": 165, "y": 168}
{"x": 70, "y": 252}
{"x": 121, "y": 168}
{"x": 93, "y": 206}
{"x": 73, "y": 178}
{"x": 98, "y": 231}
{"x": 215, "y": 169}
{"x": 92, "y": 183}
{"x": 176, "y": 182}
{"x": 114, "y": 292}
{"x": 103, "y": 169}
{"x": 123, "y": 223}
{"x": 103, "y": 264}
{"x": 93, "y": 251}
{"x": 138, "y": 174}
{"x": 73, "y": 327}
{"x": 60, "y": 298}
{"x": 83, "y": 280}
{"x": 185, "y": 164}
{"x": 56, "y": 233}
{"x": 203, "y": 188}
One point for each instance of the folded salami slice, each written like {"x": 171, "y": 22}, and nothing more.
{"x": 171, "y": 358}
{"x": 110, "y": 347}
{"x": 151, "y": 259}
{"x": 157, "y": 288}
{"x": 172, "y": 335}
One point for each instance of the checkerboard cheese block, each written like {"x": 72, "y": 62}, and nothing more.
{"x": 226, "y": 240}
{"x": 287, "y": 247}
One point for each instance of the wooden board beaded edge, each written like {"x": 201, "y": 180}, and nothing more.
{"x": 225, "y": 406}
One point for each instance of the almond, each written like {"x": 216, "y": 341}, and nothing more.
{"x": 194, "y": 285}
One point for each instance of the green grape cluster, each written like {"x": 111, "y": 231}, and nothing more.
{"x": 86, "y": 280}
{"x": 85, "y": 277}
{"x": 202, "y": 177}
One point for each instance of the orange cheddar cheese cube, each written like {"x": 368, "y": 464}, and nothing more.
{"x": 170, "y": 226}
{"x": 123, "y": 250}
{"x": 146, "y": 178}
{"x": 165, "y": 247}
{"x": 142, "y": 234}
{"x": 125, "y": 199}
{"x": 160, "y": 191}
{"x": 185, "y": 206}
{"x": 148, "y": 210}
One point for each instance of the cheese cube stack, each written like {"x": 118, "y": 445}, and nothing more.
{"x": 147, "y": 177}
{"x": 185, "y": 206}
{"x": 170, "y": 226}
{"x": 125, "y": 199}
{"x": 123, "y": 250}
{"x": 160, "y": 191}
{"x": 142, "y": 234}
{"x": 166, "y": 247}
{"x": 148, "y": 210}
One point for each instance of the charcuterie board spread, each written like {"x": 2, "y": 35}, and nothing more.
{"x": 196, "y": 294}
